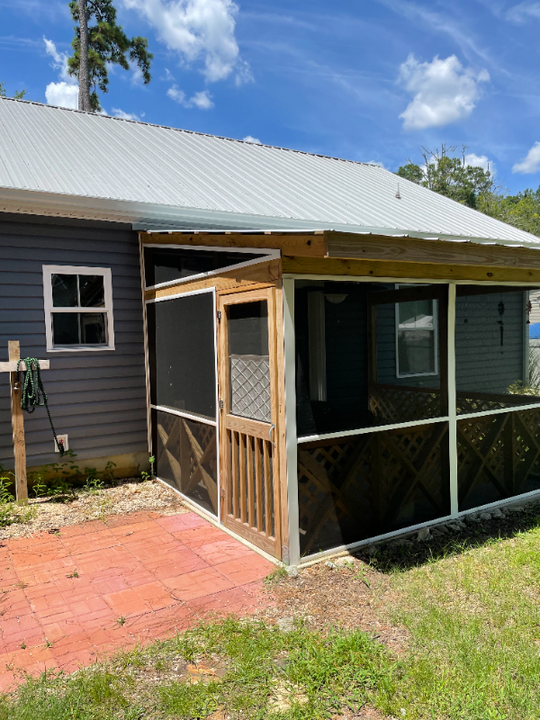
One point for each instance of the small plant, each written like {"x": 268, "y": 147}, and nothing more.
{"x": 23, "y": 645}
{"x": 121, "y": 620}
{"x": 39, "y": 487}
{"x": 48, "y": 643}
{"x": 93, "y": 484}
{"x": 59, "y": 488}
{"x": 108, "y": 472}
{"x": 519, "y": 388}
{"x": 149, "y": 475}
{"x": 74, "y": 574}
{"x": 7, "y": 515}
{"x": 276, "y": 575}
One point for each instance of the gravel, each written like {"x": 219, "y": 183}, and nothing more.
{"x": 131, "y": 495}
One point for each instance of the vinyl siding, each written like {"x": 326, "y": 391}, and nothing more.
{"x": 97, "y": 397}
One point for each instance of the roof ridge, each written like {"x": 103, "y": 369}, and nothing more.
{"x": 190, "y": 132}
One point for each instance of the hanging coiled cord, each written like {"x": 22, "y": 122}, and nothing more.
{"x": 33, "y": 394}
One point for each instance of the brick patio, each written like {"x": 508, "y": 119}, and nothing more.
{"x": 140, "y": 577}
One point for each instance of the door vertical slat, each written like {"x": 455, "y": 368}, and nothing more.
{"x": 267, "y": 489}
{"x": 259, "y": 486}
{"x": 249, "y": 480}
{"x": 234, "y": 473}
{"x": 242, "y": 468}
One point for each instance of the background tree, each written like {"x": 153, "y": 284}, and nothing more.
{"x": 449, "y": 176}
{"x": 474, "y": 187}
{"x": 18, "y": 95}
{"x": 98, "y": 43}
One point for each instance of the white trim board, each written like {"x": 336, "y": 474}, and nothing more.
{"x": 49, "y": 309}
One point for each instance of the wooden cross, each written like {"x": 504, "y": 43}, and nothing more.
{"x": 17, "y": 417}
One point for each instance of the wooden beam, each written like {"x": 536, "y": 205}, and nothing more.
{"x": 301, "y": 244}
{"x": 12, "y": 366}
{"x": 406, "y": 270}
{"x": 17, "y": 423}
{"x": 253, "y": 277}
{"x": 374, "y": 247}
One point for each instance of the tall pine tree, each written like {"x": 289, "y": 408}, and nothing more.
{"x": 98, "y": 42}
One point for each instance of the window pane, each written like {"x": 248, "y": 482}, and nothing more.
{"x": 64, "y": 291}
{"x": 79, "y": 329}
{"x": 92, "y": 291}
{"x": 65, "y": 329}
{"x": 417, "y": 314}
{"x": 182, "y": 354}
{"x": 249, "y": 360}
{"x": 162, "y": 265}
{"x": 416, "y": 352}
{"x": 497, "y": 358}
{"x": 93, "y": 331}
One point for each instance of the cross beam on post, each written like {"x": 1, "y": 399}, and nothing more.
{"x": 17, "y": 418}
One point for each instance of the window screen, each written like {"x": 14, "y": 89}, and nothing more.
{"x": 182, "y": 354}
{"x": 162, "y": 265}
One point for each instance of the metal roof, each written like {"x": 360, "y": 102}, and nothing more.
{"x": 66, "y": 162}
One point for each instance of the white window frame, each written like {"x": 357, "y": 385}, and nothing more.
{"x": 435, "y": 332}
{"x": 107, "y": 310}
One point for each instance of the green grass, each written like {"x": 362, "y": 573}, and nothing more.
{"x": 267, "y": 674}
{"x": 474, "y": 620}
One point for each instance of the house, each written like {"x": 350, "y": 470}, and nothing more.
{"x": 317, "y": 352}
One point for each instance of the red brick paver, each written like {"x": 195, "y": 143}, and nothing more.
{"x": 70, "y": 598}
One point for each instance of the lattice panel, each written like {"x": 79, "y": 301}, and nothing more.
{"x": 394, "y": 404}
{"x": 250, "y": 387}
{"x": 369, "y": 484}
{"x": 186, "y": 457}
{"x": 498, "y": 457}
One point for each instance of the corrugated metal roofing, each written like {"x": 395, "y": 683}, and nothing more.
{"x": 57, "y": 153}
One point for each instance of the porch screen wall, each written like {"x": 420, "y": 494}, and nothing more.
{"x": 372, "y": 480}
{"x": 182, "y": 364}
{"x": 498, "y": 403}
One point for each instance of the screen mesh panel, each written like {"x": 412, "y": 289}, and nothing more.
{"x": 359, "y": 487}
{"x": 186, "y": 457}
{"x": 163, "y": 265}
{"x": 182, "y": 354}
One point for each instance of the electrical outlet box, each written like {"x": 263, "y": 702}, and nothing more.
{"x": 64, "y": 439}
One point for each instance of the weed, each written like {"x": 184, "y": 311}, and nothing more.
{"x": 23, "y": 645}
{"x": 149, "y": 475}
{"x": 93, "y": 484}
{"x": 276, "y": 575}
{"x": 121, "y": 620}
{"x": 74, "y": 574}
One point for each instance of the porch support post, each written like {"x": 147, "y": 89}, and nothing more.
{"x": 290, "y": 424}
{"x": 452, "y": 415}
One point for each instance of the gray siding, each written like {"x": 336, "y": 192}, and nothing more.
{"x": 98, "y": 398}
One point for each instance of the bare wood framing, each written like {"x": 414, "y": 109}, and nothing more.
{"x": 12, "y": 366}
{"x": 254, "y": 277}
{"x": 301, "y": 244}
{"x": 17, "y": 422}
{"x": 383, "y": 268}
{"x": 281, "y": 435}
{"x": 371, "y": 247}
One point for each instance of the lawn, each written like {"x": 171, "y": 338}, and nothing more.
{"x": 466, "y": 608}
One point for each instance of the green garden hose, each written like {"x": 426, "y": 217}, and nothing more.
{"x": 33, "y": 394}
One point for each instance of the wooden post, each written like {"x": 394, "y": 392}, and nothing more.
{"x": 17, "y": 422}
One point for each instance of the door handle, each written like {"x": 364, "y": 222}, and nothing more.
{"x": 272, "y": 428}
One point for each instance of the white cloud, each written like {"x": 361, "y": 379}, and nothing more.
{"x": 198, "y": 30}
{"x": 168, "y": 76}
{"x": 251, "y": 139}
{"x": 201, "y": 100}
{"x": 444, "y": 91}
{"x": 59, "y": 60}
{"x": 520, "y": 13}
{"x": 481, "y": 161}
{"x": 375, "y": 162}
{"x": 66, "y": 92}
{"x": 62, "y": 94}
{"x": 124, "y": 115}
{"x": 531, "y": 164}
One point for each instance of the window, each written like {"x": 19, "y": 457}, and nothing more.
{"x": 78, "y": 308}
{"x": 416, "y": 338}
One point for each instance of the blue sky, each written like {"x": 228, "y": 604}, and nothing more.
{"x": 370, "y": 80}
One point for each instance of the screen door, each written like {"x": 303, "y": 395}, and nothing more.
{"x": 249, "y": 467}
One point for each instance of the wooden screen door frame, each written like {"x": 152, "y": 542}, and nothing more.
{"x": 254, "y": 526}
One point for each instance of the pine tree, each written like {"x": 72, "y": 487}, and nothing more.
{"x": 99, "y": 42}
{"x": 18, "y": 95}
